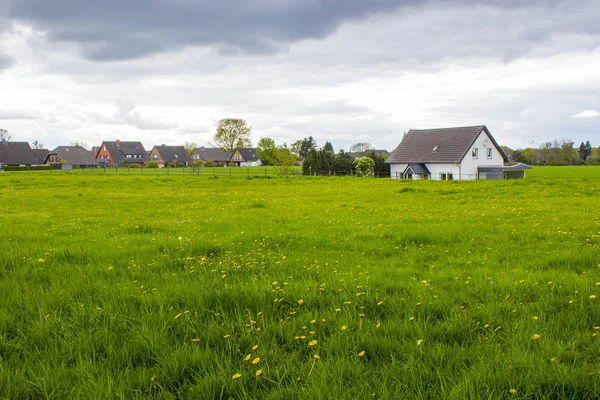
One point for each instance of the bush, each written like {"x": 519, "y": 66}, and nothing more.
{"x": 210, "y": 163}
{"x": 152, "y": 164}
{"x": 26, "y": 168}
{"x": 365, "y": 166}
{"x": 134, "y": 166}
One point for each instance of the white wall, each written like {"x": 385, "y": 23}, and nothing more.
{"x": 469, "y": 164}
{"x": 437, "y": 169}
{"x": 399, "y": 168}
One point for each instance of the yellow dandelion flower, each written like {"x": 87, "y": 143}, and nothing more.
{"x": 312, "y": 343}
{"x": 412, "y": 318}
{"x": 195, "y": 340}
{"x": 362, "y": 353}
{"x": 236, "y": 376}
{"x": 259, "y": 372}
{"x": 110, "y": 268}
{"x": 535, "y": 318}
{"x": 338, "y": 310}
{"x": 593, "y": 297}
{"x": 247, "y": 358}
{"x": 314, "y": 321}
{"x": 226, "y": 336}
{"x": 256, "y": 361}
{"x": 380, "y": 303}
{"x": 153, "y": 378}
{"x": 343, "y": 328}
{"x": 535, "y": 336}
{"x": 513, "y": 392}
{"x": 300, "y": 301}
{"x": 178, "y": 316}
{"x": 254, "y": 348}
{"x": 316, "y": 357}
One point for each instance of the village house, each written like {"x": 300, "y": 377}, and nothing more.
{"x": 76, "y": 156}
{"x": 216, "y": 155}
{"x": 172, "y": 155}
{"x": 17, "y": 154}
{"x": 118, "y": 152}
{"x": 245, "y": 157}
{"x": 464, "y": 153}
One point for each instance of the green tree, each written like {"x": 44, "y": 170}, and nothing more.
{"x": 232, "y": 133}
{"x": 190, "y": 147}
{"x": 307, "y": 144}
{"x": 343, "y": 163}
{"x": 266, "y": 151}
{"x": 311, "y": 163}
{"x": 364, "y": 166}
{"x": 296, "y": 146}
{"x": 284, "y": 159}
{"x": 325, "y": 162}
{"x": 585, "y": 150}
{"x": 381, "y": 168}
{"x": 328, "y": 147}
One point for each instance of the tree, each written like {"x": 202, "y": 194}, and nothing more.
{"x": 343, "y": 163}
{"x": 232, "y": 133}
{"x": 284, "y": 159}
{"x": 361, "y": 147}
{"x": 310, "y": 166}
{"x": 5, "y": 136}
{"x": 190, "y": 147}
{"x": 79, "y": 143}
{"x": 328, "y": 147}
{"x": 37, "y": 145}
{"x": 381, "y": 168}
{"x": 307, "y": 144}
{"x": 364, "y": 166}
{"x": 295, "y": 147}
{"x": 266, "y": 151}
{"x": 325, "y": 161}
{"x": 585, "y": 150}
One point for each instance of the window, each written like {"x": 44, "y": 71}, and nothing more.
{"x": 446, "y": 176}
{"x": 474, "y": 152}
{"x": 156, "y": 156}
{"x": 488, "y": 152}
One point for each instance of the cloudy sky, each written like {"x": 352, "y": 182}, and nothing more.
{"x": 165, "y": 71}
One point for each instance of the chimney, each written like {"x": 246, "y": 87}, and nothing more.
{"x": 118, "y": 143}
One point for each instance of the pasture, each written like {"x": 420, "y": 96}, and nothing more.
{"x": 154, "y": 286}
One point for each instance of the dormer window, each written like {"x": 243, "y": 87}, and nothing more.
{"x": 474, "y": 153}
{"x": 435, "y": 148}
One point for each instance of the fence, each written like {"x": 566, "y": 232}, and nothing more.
{"x": 441, "y": 177}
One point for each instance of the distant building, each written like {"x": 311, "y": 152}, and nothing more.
{"x": 118, "y": 152}
{"x": 74, "y": 155}
{"x": 170, "y": 155}
{"x": 17, "y": 154}
{"x": 245, "y": 157}
{"x": 216, "y": 155}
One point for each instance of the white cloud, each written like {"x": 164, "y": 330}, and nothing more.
{"x": 587, "y": 114}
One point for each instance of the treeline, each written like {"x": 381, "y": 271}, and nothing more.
{"x": 557, "y": 152}
{"x": 324, "y": 160}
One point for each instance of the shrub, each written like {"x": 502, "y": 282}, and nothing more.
{"x": 365, "y": 166}
{"x": 152, "y": 164}
{"x": 210, "y": 163}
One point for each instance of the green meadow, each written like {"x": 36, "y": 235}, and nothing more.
{"x": 144, "y": 285}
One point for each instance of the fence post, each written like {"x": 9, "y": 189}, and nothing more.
{"x": 215, "y": 172}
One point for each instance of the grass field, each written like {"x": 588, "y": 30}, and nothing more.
{"x": 161, "y": 286}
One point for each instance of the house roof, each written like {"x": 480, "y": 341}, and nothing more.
{"x": 120, "y": 150}
{"x": 376, "y": 153}
{"x": 40, "y": 155}
{"x": 75, "y": 155}
{"x": 445, "y": 145}
{"x": 16, "y": 153}
{"x": 420, "y": 169}
{"x": 249, "y": 153}
{"x": 517, "y": 167}
{"x": 212, "y": 154}
{"x": 173, "y": 154}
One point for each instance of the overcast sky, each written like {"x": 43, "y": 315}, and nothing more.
{"x": 165, "y": 71}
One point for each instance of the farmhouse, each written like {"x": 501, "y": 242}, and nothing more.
{"x": 245, "y": 157}
{"x": 118, "y": 152}
{"x": 463, "y": 153}
{"x": 74, "y": 155}
{"x": 174, "y": 155}
{"x": 216, "y": 155}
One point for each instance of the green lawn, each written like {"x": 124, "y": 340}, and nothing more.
{"x": 155, "y": 286}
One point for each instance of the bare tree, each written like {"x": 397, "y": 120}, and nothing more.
{"x": 37, "y": 145}
{"x": 361, "y": 147}
{"x": 79, "y": 143}
{"x": 5, "y": 136}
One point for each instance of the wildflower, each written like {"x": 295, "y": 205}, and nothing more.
{"x": 178, "y": 316}
{"x": 419, "y": 342}
{"x": 338, "y": 310}
{"x": 247, "y": 358}
{"x": 300, "y": 301}
{"x": 259, "y": 372}
{"x": 195, "y": 340}
{"x": 314, "y": 321}
{"x": 316, "y": 357}
{"x": 226, "y": 336}
{"x": 362, "y": 353}
{"x": 535, "y": 336}
{"x": 254, "y": 348}
{"x": 236, "y": 376}
{"x": 535, "y": 318}
{"x": 153, "y": 378}
{"x": 411, "y": 319}
{"x": 513, "y": 392}
{"x": 380, "y": 303}
{"x": 256, "y": 361}
{"x": 110, "y": 268}
{"x": 593, "y": 297}
{"x": 312, "y": 343}
{"x": 344, "y": 327}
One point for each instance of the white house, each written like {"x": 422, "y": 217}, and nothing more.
{"x": 464, "y": 153}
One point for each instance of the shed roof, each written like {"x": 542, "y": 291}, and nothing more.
{"x": 420, "y": 169}
{"x": 444, "y": 145}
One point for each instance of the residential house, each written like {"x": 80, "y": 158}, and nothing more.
{"x": 216, "y": 155}
{"x": 76, "y": 156}
{"x": 463, "y": 153}
{"x": 245, "y": 157}
{"x": 95, "y": 150}
{"x": 40, "y": 155}
{"x": 16, "y": 154}
{"x": 173, "y": 155}
{"x": 117, "y": 152}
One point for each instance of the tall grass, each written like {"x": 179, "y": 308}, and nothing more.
{"x": 161, "y": 287}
